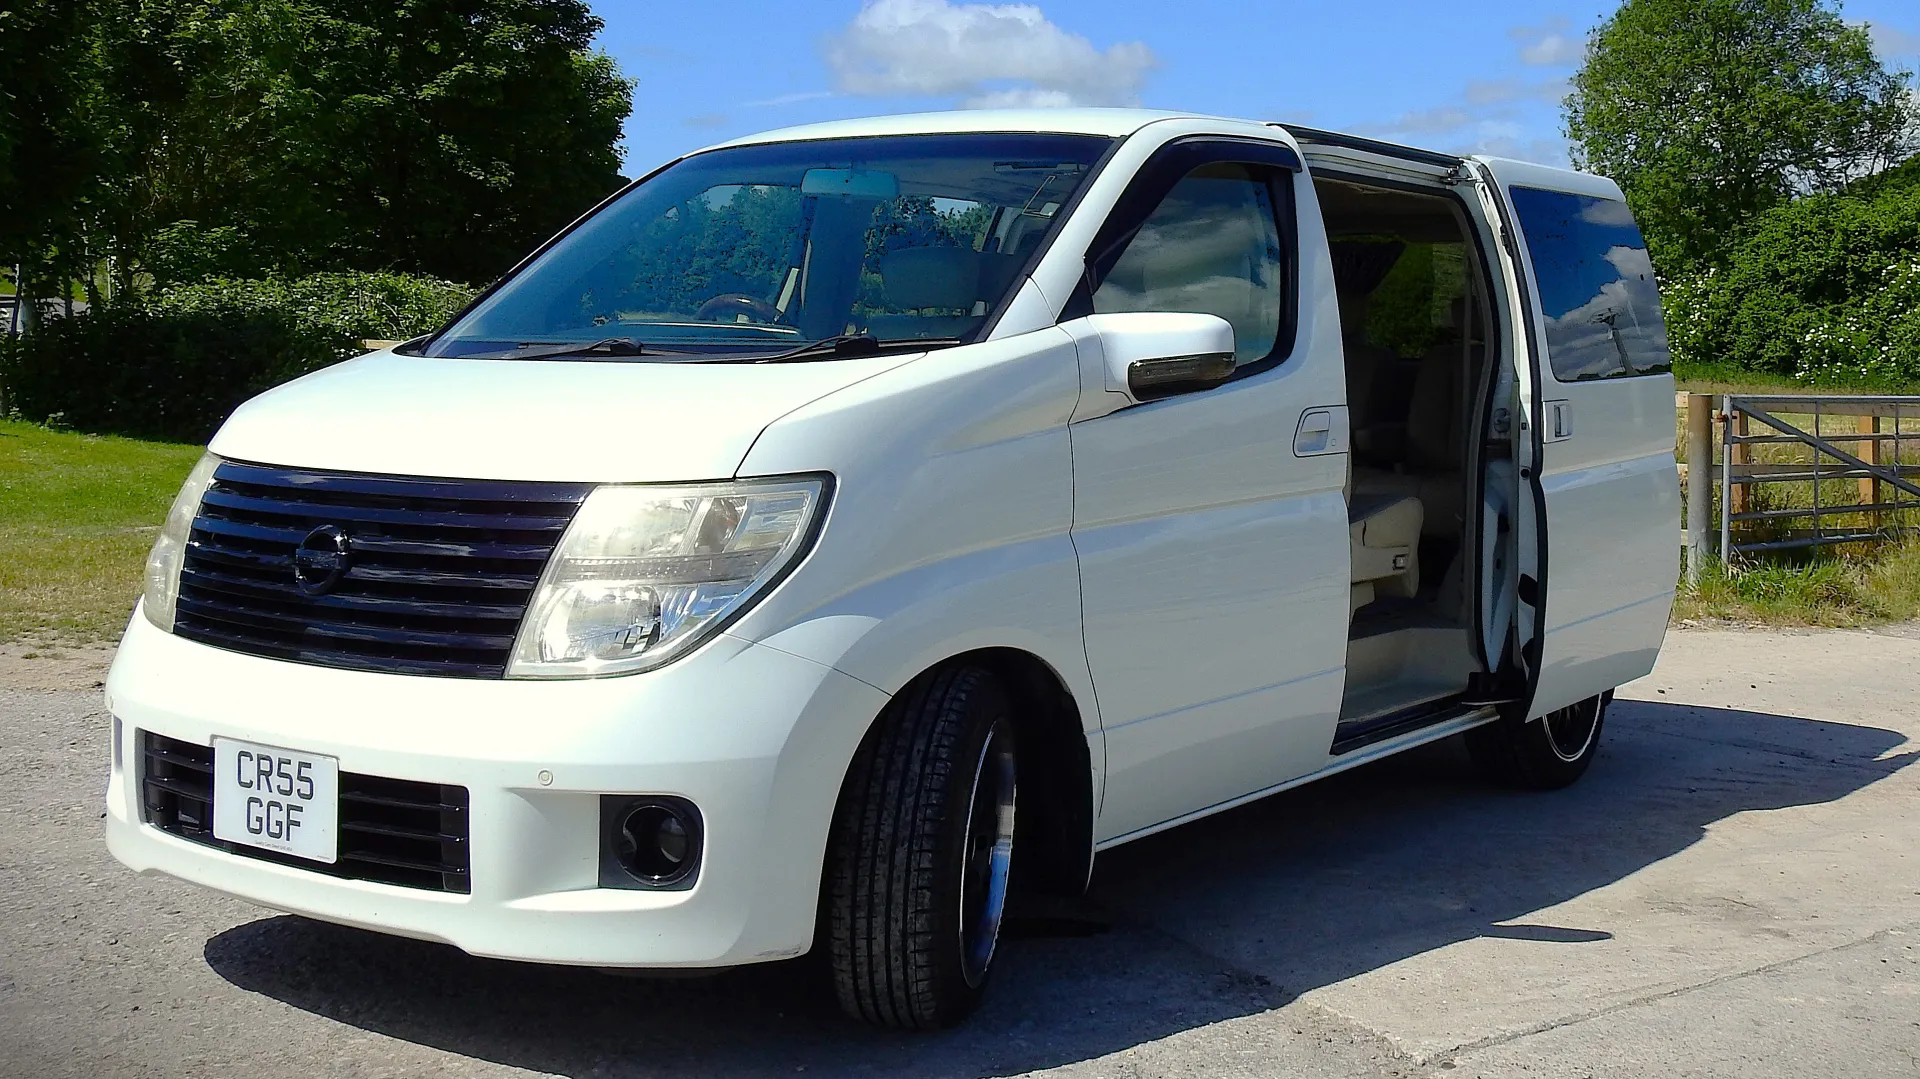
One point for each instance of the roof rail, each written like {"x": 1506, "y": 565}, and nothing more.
{"x": 1371, "y": 146}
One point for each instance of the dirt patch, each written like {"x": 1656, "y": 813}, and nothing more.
{"x": 54, "y": 667}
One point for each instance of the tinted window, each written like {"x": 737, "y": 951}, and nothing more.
{"x": 1596, "y": 286}
{"x": 1211, "y": 246}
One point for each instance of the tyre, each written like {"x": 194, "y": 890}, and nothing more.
{"x": 1544, "y": 754}
{"x": 920, "y": 852}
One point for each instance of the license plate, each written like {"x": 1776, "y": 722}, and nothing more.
{"x": 276, "y": 799}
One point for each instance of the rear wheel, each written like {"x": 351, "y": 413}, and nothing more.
{"x": 921, "y": 851}
{"x": 1544, "y": 754}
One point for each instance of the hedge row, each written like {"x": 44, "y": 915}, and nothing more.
{"x": 1823, "y": 290}
{"x": 174, "y": 365}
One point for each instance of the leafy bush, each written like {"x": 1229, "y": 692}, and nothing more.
{"x": 174, "y": 365}
{"x": 1822, "y": 290}
{"x": 184, "y": 252}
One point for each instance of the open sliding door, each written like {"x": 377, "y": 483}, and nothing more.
{"x": 1598, "y": 518}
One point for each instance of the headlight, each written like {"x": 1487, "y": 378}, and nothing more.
{"x": 163, "y": 562}
{"x": 646, "y": 573}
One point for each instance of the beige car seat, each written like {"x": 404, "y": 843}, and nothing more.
{"x": 1383, "y": 534}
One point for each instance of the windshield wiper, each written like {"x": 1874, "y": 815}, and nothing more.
{"x": 843, "y": 346}
{"x": 611, "y": 346}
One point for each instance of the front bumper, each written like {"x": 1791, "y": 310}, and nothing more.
{"x": 758, "y": 739}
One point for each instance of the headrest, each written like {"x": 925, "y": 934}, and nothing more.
{"x": 944, "y": 277}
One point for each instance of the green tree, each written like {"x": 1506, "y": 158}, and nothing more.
{"x": 450, "y": 136}
{"x": 1708, "y": 112}
{"x": 52, "y": 151}
{"x": 241, "y": 137}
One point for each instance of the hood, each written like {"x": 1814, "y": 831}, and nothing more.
{"x": 559, "y": 420}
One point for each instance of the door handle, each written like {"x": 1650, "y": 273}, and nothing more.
{"x": 1559, "y": 425}
{"x": 1321, "y": 431}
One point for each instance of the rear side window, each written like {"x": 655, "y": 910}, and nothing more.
{"x": 1212, "y": 246}
{"x": 1596, "y": 286}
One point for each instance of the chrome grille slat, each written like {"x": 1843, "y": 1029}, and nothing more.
{"x": 299, "y": 626}
{"x": 464, "y": 667}
{"x": 230, "y": 501}
{"x": 438, "y": 576}
{"x": 271, "y": 591}
{"x": 373, "y": 543}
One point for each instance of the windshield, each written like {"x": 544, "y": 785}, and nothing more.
{"x": 770, "y": 247}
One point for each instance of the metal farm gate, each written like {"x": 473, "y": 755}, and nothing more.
{"x": 1770, "y": 441}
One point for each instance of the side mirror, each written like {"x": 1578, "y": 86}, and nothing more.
{"x": 1155, "y": 354}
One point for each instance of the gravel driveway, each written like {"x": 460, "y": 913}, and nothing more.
{"x": 1732, "y": 891}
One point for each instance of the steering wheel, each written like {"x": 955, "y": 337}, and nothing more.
{"x": 726, "y": 306}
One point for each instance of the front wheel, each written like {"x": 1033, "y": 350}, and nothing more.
{"x": 1543, "y": 754}
{"x": 920, "y": 854}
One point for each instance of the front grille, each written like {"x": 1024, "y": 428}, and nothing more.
{"x": 438, "y": 572}
{"x": 394, "y": 831}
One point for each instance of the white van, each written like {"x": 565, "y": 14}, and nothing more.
{"x": 842, "y": 526}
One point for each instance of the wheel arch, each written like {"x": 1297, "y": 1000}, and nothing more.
{"x": 1054, "y": 826}
{"x": 1051, "y": 741}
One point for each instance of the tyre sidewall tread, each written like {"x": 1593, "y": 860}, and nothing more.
{"x": 893, "y": 920}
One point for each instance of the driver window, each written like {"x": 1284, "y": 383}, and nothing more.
{"x": 1211, "y": 246}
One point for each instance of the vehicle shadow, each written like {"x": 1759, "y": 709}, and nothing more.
{"x": 1312, "y": 886}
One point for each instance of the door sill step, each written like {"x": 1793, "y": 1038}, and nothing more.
{"x": 1359, "y": 734}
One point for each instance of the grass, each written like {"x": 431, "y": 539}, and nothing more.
{"x": 77, "y": 514}
{"x": 1842, "y": 590}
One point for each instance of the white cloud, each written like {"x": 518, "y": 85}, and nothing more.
{"x": 1422, "y": 121}
{"x": 1022, "y": 97}
{"x": 1496, "y": 132}
{"x": 787, "y": 99}
{"x": 1553, "y": 51}
{"x": 1548, "y": 45}
{"x": 1500, "y": 144}
{"x": 1556, "y": 24}
{"x": 1502, "y": 91}
{"x": 1498, "y": 117}
{"x": 1891, "y": 42}
{"x": 986, "y": 54}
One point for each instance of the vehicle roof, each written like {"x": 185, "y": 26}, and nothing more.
{"x": 1113, "y": 123}
{"x": 1091, "y": 121}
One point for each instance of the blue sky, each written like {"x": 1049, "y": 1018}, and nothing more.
{"x": 1471, "y": 75}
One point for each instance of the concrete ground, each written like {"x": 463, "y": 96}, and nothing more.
{"x": 1733, "y": 890}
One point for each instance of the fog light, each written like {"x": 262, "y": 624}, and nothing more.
{"x": 648, "y": 842}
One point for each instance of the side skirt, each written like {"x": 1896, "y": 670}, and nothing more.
{"x": 1386, "y": 746}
